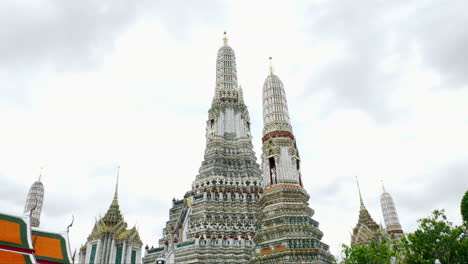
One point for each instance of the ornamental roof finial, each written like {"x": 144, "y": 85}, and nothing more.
{"x": 383, "y": 186}
{"x": 271, "y": 66}
{"x": 116, "y": 194}
{"x": 225, "y": 39}
{"x": 40, "y": 174}
{"x": 360, "y": 196}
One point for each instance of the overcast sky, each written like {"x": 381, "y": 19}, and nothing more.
{"x": 377, "y": 89}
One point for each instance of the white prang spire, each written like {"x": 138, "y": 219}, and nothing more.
{"x": 280, "y": 156}
{"x": 275, "y": 105}
{"x": 228, "y": 115}
{"x": 34, "y": 202}
{"x": 226, "y": 71}
{"x": 286, "y": 232}
{"x": 390, "y": 214}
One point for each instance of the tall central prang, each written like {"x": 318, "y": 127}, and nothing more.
{"x": 216, "y": 220}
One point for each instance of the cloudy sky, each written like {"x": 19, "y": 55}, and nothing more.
{"x": 377, "y": 89}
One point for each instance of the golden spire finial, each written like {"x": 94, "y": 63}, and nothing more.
{"x": 360, "y": 196}
{"x": 225, "y": 39}
{"x": 271, "y": 66}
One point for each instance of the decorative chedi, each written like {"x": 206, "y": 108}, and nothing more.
{"x": 392, "y": 223}
{"x": 111, "y": 241}
{"x": 366, "y": 230}
{"x": 216, "y": 219}
{"x": 286, "y": 231}
{"x": 34, "y": 202}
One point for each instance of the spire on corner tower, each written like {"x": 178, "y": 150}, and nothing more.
{"x": 275, "y": 105}
{"x": 281, "y": 163}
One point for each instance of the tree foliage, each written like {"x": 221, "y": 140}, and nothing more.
{"x": 464, "y": 207}
{"x": 435, "y": 239}
{"x": 377, "y": 252}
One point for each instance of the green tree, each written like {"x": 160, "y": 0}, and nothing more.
{"x": 377, "y": 252}
{"x": 464, "y": 207}
{"x": 436, "y": 238}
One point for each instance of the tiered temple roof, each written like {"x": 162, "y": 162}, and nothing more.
{"x": 366, "y": 229}
{"x": 114, "y": 223}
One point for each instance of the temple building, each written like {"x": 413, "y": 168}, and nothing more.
{"x": 34, "y": 202}
{"x": 110, "y": 240}
{"x": 287, "y": 233}
{"x": 390, "y": 215}
{"x": 22, "y": 242}
{"x": 366, "y": 230}
{"x": 216, "y": 220}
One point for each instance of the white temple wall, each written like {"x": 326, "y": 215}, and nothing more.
{"x": 97, "y": 255}
{"x": 113, "y": 252}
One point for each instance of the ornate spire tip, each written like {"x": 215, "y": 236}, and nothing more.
{"x": 271, "y": 65}
{"x": 225, "y": 39}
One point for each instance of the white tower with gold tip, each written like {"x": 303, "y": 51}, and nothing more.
{"x": 34, "y": 202}
{"x": 390, "y": 214}
{"x": 281, "y": 163}
{"x": 286, "y": 231}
